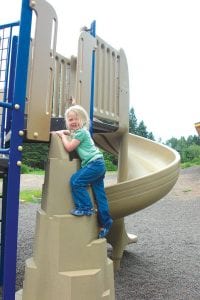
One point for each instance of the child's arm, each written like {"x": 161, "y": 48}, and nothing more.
{"x": 69, "y": 145}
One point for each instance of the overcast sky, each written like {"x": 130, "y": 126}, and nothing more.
{"x": 161, "y": 39}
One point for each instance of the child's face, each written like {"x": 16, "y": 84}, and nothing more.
{"x": 73, "y": 121}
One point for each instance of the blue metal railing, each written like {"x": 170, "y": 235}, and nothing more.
{"x": 6, "y": 73}
{"x": 8, "y": 44}
{"x": 14, "y": 58}
{"x": 93, "y": 33}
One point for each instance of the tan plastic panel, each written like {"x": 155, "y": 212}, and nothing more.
{"x": 107, "y": 64}
{"x": 64, "y": 84}
{"x": 39, "y": 102}
{"x": 123, "y": 92}
{"x": 84, "y": 68}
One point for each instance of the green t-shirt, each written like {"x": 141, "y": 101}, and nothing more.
{"x": 86, "y": 150}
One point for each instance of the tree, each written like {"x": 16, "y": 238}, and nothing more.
{"x": 189, "y": 149}
{"x": 140, "y": 129}
{"x": 151, "y": 136}
{"x": 35, "y": 154}
{"x": 191, "y": 153}
{"x": 193, "y": 139}
{"x": 132, "y": 121}
{"x": 172, "y": 143}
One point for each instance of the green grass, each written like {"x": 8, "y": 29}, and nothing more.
{"x": 31, "y": 196}
{"x": 186, "y": 191}
{"x": 37, "y": 172}
{"x": 190, "y": 164}
{"x": 28, "y": 170}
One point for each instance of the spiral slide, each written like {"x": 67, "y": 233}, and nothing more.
{"x": 152, "y": 171}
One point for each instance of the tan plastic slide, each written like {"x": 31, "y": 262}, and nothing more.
{"x": 153, "y": 169}
{"x": 147, "y": 171}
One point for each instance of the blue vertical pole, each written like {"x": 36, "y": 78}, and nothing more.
{"x": 17, "y": 126}
{"x": 11, "y": 79}
{"x": 9, "y": 98}
{"x": 93, "y": 33}
{"x": 3, "y": 222}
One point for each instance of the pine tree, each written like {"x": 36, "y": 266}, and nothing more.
{"x": 132, "y": 121}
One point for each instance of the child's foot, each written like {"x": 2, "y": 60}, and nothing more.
{"x": 105, "y": 230}
{"x": 89, "y": 212}
{"x": 82, "y": 212}
{"x": 77, "y": 212}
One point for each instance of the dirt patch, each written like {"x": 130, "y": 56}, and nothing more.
{"x": 188, "y": 183}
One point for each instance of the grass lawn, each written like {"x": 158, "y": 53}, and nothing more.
{"x": 31, "y": 196}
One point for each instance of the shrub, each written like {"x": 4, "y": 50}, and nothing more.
{"x": 26, "y": 169}
{"x": 110, "y": 166}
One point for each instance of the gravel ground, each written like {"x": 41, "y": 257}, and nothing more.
{"x": 164, "y": 263}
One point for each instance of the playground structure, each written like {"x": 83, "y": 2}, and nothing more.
{"x": 38, "y": 84}
{"x": 197, "y": 126}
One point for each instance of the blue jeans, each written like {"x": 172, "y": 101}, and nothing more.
{"x": 92, "y": 174}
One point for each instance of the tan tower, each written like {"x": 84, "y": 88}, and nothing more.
{"x": 69, "y": 261}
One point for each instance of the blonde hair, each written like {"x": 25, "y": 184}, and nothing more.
{"x": 81, "y": 113}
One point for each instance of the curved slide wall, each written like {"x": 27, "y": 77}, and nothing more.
{"x": 153, "y": 169}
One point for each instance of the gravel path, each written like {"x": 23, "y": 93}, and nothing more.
{"x": 164, "y": 263}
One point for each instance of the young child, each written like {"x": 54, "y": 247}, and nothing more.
{"x": 92, "y": 169}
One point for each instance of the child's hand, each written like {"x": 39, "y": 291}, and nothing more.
{"x": 60, "y": 133}
{"x": 66, "y": 132}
